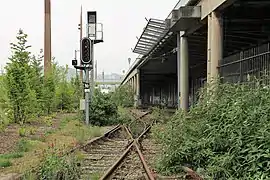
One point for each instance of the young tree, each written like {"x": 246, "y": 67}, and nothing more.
{"x": 37, "y": 80}
{"x": 18, "y": 79}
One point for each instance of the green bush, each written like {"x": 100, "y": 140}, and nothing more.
{"x": 58, "y": 167}
{"x": 124, "y": 116}
{"x": 225, "y": 136}
{"x": 123, "y": 96}
{"x": 103, "y": 111}
{"x": 160, "y": 115}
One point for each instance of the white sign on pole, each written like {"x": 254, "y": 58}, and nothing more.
{"x": 82, "y": 104}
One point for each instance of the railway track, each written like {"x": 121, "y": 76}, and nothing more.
{"x": 123, "y": 153}
{"x": 126, "y": 154}
{"x": 100, "y": 154}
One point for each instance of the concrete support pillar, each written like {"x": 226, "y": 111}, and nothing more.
{"x": 134, "y": 85}
{"x": 131, "y": 83}
{"x": 182, "y": 72}
{"x": 184, "y": 86}
{"x": 215, "y": 45}
{"x": 138, "y": 88}
{"x": 178, "y": 69}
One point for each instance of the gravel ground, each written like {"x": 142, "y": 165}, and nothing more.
{"x": 131, "y": 168}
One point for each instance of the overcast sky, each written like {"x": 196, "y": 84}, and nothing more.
{"x": 123, "y": 20}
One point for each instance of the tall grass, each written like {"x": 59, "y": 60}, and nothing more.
{"x": 225, "y": 136}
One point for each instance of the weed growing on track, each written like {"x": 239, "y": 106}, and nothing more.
{"x": 225, "y": 136}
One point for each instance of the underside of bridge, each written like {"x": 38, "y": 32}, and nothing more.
{"x": 159, "y": 78}
{"x": 246, "y": 52}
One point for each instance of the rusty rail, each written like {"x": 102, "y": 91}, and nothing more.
{"x": 115, "y": 165}
{"x": 135, "y": 143}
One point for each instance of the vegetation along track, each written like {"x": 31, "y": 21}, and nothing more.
{"x": 121, "y": 154}
{"x": 149, "y": 149}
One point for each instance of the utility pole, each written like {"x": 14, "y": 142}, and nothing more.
{"x": 86, "y": 58}
{"x": 92, "y": 84}
{"x": 47, "y": 37}
{"x": 87, "y": 99}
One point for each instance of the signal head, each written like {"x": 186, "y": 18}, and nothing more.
{"x": 86, "y": 51}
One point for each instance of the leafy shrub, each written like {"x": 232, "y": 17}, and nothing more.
{"x": 160, "y": 115}
{"x": 225, "y": 136}
{"x": 103, "y": 111}
{"x": 58, "y": 167}
{"x": 123, "y": 96}
{"x": 124, "y": 116}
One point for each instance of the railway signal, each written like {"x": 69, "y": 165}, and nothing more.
{"x": 86, "y": 51}
{"x": 87, "y": 57}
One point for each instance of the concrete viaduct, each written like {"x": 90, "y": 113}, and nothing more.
{"x": 198, "y": 41}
